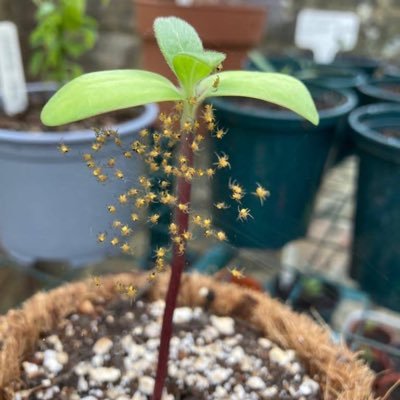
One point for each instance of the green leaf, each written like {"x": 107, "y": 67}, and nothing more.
{"x": 192, "y": 67}
{"x": 280, "y": 89}
{"x": 101, "y": 92}
{"x": 176, "y": 36}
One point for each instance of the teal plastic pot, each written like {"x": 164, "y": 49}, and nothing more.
{"x": 380, "y": 90}
{"x": 376, "y": 250}
{"x": 369, "y": 66}
{"x": 280, "y": 151}
{"x": 333, "y": 76}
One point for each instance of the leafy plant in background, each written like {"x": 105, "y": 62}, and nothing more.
{"x": 200, "y": 77}
{"x": 63, "y": 33}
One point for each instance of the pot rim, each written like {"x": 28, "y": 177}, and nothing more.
{"x": 239, "y": 8}
{"x": 361, "y": 130}
{"x": 146, "y": 118}
{"x": 333, "y": 112}
{"x": 373, "y": 89}
{"x": 344, "y": 375}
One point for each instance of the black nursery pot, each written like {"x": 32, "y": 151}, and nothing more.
{"x": 376, "y": 251}
{"x": 280, "y": 151}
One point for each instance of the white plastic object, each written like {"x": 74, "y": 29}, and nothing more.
{"x": 12, "y": 78}
{"x": 326, "y": 32}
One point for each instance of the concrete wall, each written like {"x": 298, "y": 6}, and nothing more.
{"x": 118, "y": 45}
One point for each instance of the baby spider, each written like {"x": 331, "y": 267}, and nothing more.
{"x": 184, "y": 207}
{"x": 111, "y": 162}
{"x": 131, "y": 292}
{"x": 63, "y": 148}
{"x": 161, "y": 252}
{"x": 96, "y": 281}
{"x": 116, "y": 224}
{"x": 102, "y": 178}
{"x": 134, "y": 217}
{"x": 125, "y": 230}
{"x": 119, "y": 174}
{"x": 244, "y": 214}
{"x": 216, "y": 83}
{"x": 101, "y": 237}
{"x": 221, "y": 205}
{"x": 221, "y": 236}
{"x": 220, "y": 133}
{"x": 123, "y": 198}
{"x": 236, "y": 273}
{"x": 222, "y": 161}
{"x": 154, "y": 218}
{"x": 173, "y": 229}
{"x": 87, "y": 157}
{"x": 111, "y": 209}
{"x": 119, "y": 287}
{"x": 126, "y": 248}
{"x": 152, "y": 276}
{"x": 210, "y": 172}
{"x": 144, "y": 132}
{"x": 261, "y": 193}
{"x": 114, "y": 241}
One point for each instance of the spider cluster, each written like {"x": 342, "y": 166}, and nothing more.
{"x": 158, "y": 151}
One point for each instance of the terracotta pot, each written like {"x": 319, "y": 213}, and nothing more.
{"x": 233, "y": 30}
{"x": 342, "y": 375}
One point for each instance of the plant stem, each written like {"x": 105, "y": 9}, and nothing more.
{"x": 178, "y": 258}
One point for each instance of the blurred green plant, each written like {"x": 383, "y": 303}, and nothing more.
{"x": 63, "y": 33}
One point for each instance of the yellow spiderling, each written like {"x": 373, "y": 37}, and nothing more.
{"x": 125, "y": 248}
{"x": 244, "y": 214}
{"x": 111, "y": 162}
{"x": 114, "y": 241}
{"x": 184, "y": 207}
{"x": 221, "y": 205}
{"x": 111, "y": 209}
{"x": 154, "y": 218}
{"x": 119, "y": 174}
{"x": 221, "y": 236}
{"x": 222, "y": 161}
{"x": 101, "y": 237}
{"x": 261, "y": 193}
{"x": 236, "y": 273}
{"x": 123, "y": 198}
{"x": 87, "y": 157}
{"x": 116, "y": 224}
{"x": 125, "y": 230}
{"x": 134, "y": 217}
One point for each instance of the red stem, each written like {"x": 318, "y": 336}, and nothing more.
{"x": 177, "y": 266}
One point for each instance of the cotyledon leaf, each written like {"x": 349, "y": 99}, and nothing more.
{"x": 99, "y": 92}
{"x": 279, "y": 89}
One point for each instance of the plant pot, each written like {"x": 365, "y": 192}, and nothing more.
{"x": 375, "y": 250}
{"x": 340, "y": 374}
{"x": 370, "y": 66}
{"x": 385, "y": 382}
{"x": 52, "y": 207}
{"x": 231, "y": 29}
{"x": 283, "y": 153}
{"x": 380, "y": 90}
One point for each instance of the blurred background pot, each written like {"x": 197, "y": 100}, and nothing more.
{"x": 52, "y": 207}
{"x": 231, "y": 28}
{"x": 280, "y": 151}
{"x": 376, "y": 263}
{"x": 380, "y": 90}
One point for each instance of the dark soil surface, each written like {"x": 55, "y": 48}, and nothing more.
{"x": 29, "y": 121}
{"x": 391, "y": 87}
{"x": 391, "y": 133}
{"x": 324, "y": 100}
{"x": 110, "y": 352}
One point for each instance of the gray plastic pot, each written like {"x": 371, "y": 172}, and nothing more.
{"x": 52, "y": 207}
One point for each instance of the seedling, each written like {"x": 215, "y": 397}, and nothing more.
{"x": 200, "y": 77}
